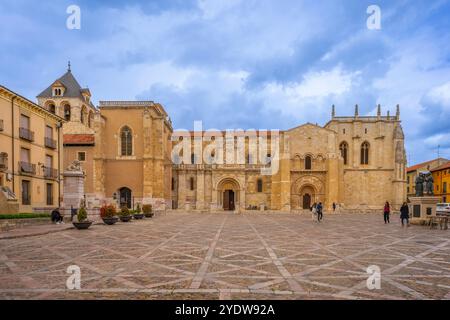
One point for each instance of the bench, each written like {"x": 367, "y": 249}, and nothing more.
{"x": 441, "y": 221}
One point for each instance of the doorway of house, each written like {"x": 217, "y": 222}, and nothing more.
{"x": 125, "y": 197}
{"x": 306, "y": 201}
{"x": 228, "y": 200}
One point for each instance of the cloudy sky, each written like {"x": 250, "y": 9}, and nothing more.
{"x": 244, "y": 63}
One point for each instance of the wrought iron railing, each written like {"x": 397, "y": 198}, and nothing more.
{"x": 50, "y": 173}
{"x": 50, "y": 143}
{"x": 26, "y": 134}
{"x": 26, "y": 167}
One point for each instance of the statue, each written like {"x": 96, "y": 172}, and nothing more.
{"x": 420, "y": 179}
{"x": 74, "y": 166}
{"x": 424, "y": 184}
{"x": 429, "y": 184}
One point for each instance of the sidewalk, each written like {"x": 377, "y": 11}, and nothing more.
{"x": 36, "y": 230}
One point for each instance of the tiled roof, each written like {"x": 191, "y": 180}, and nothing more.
{"x": 420, "y": 165}
{"x": 72, "y": 88}
{"x": 79, "y": 139}
{"x": 442, "y": 167}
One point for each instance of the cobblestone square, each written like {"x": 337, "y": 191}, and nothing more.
{"x": 231, "y": 256}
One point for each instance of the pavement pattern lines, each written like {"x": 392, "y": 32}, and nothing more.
{"x": 231, "y": 256}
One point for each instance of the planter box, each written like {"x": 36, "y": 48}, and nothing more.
{"x": 110, "y": 220}
{"x": 126, "y": 218}
{"x": 82, "y": 225}
{"x": 138, "y": 216}
{"x": 148, "y": 215}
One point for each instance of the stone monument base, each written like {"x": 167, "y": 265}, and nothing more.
{"x": 420, "y": 208}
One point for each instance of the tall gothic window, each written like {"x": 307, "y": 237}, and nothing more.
{"x": 259, "y": 184}
{"x": 126, "y": 140}
{"x": 344, "y": 151}
{"x": 365, "y": 153}
{"x": 308, "y": 163}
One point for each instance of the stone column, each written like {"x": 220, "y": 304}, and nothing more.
{"x": 73, "y": 186}
{"x": 200, "y": 190}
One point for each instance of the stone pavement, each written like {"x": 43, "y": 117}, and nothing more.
{"x": 231, "y": 256}
{"x": 34, "y": 230}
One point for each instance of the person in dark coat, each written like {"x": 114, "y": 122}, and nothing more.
{"x": 386, "y": 211}
{"x": 319, "y": 211}
{"x": 404, "y": 214}
{"x": 56, "y": 216}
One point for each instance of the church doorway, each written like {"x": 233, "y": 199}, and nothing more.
{"x": 228, "y": 194}
{"x": 228, "y": 200}
{"x": 125, "y": 197}
{"x": 306, "y": 201}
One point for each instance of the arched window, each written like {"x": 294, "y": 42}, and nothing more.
{"x": 365, "y": 153}
{"x": 126, "y": 141}
{"x": 67, "y": 112}
{"x": 259, "y": 184}
{"x": 344, "y": 151}
{"x": 308, "y": 163}
{"x": 51, "y": 108}
{"x": 192, "y": 158}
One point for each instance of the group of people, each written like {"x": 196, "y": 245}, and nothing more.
{"x": 404, "y": 213}
{"x": 317, "y": 211}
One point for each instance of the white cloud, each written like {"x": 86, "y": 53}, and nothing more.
{"x": 441, "y": 95}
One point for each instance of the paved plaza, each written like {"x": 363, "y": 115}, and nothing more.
{"x": 231, "y": 256}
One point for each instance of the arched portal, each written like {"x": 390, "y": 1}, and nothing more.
{"x": 228, "y": 194}
{"x": 125, "y": 197}
{"x": 307, "y": 196}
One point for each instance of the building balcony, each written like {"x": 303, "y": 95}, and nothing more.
{"x": 50, "y": 143}
{"x": 26, "y": 134}
{"x": 50, "y": 173}
{"x": 27, "y": 168}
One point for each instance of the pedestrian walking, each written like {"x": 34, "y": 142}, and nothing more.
{"x": 386, "y": 212}
{"x": 319, "y": 211}
{"x": 334, "y": 206}
{"x": 313, "y": 211}
{"x": 404, "y": 214}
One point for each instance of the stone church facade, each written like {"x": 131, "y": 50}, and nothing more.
{"x": 131, "y": 154}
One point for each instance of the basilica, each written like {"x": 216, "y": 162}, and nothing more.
{"x": 131, "y": 154}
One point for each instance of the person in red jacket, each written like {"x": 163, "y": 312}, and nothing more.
{"x": 387, "y": 211}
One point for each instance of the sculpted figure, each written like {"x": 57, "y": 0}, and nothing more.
{"x": 419, "y": 185}
{"x": 429, "y": 181}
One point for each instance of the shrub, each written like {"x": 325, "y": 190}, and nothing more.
{"x": 108, "y": 211}
{"x": 124, "y": 211}
{"x": 25, "y": 216}
{"x": 147, "y": 208}
{"x": 138, "y": 208}
{"x": 82, "y": 215}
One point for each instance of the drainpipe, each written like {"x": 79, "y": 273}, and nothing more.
{"x": 12, "y": 145}
{"x": 58, "y": 128}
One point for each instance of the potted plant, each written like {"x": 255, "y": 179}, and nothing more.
{"x": 108, "y": 214}
{"x": 125, "y": 215}
{"x": 83, "y": 222}
{"x": 137, "y": 213}
{"x": 147, "y": 209}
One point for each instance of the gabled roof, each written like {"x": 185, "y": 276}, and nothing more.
{"x": 311, "y": 125}
{"x": 419, "y": 165}
{"x": 442, "y": 167}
